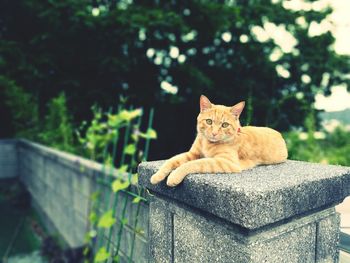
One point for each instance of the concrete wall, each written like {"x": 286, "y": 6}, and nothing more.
{"x": 61, "y": 184}
{"x": 58, "y": 189}
{"x": 8, "y": 159}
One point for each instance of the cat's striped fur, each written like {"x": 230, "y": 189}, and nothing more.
{"x": 223, "y": 146}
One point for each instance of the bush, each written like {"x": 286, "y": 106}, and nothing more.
{"x": 334, "y": 149}
{"x": 58, "y": 130}
{"x": 22, "y": 107}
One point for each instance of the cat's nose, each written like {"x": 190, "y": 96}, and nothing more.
{"x": 214, "y": 134}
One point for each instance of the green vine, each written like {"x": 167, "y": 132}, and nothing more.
{"x": 102, "y": 142}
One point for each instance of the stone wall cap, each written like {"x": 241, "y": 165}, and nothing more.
{"x": 259, "y": 196}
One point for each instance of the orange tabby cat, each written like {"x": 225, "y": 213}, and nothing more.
{"x": 223, "y": 146}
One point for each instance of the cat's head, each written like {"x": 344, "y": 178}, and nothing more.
{"x": 218, "y": 123}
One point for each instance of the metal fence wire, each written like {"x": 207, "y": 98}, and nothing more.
{"x": 118, "y": 218}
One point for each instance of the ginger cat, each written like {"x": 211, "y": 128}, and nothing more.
{"x": 223, "y": 146}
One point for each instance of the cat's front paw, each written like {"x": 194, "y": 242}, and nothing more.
{"x": 173, "y": 181}
{"x": 175, "y": 178}
{"x": 155, "y": 179}
{"x": 158, "y": 177}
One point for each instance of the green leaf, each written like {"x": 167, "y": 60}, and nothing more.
{"x": 107, "y": 220}
{"x": 114, "y": 120}
{"x": 118, "y": 185}
{"x": 86, "y": 251}
{"x": 135, "y": 137}
{"x": 87, "y": 238}
{"x": 102, "y": 255}
{"x": 134, "y": 179}
{"x": 94, "y": 196}
{"x": 139, "y": 230}
{"x": 93, "y": 217}
{"x": 92, "y": 233}
{"x": 129, "y": 115}
{"x": 123, "y": 169}
{"x": 130, "y": 149}
{"x": 136, "y": 200}
{"x": 124, "y": 221}
{"x": 108, "y": 161}
{"x": 150, "y": 134}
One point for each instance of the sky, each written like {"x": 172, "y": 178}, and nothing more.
{"x": 338, "y": 101}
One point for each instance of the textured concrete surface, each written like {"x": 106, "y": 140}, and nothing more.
{"x": 297, "y": 246}
{"x": 260, "y": 196}
{"x": 63, "y": 206}
{"x": 161, "y": 228}
{"x": 327, "y": 239}
{"x": 179, "y": 233}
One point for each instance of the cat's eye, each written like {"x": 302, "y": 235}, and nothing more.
{"x": 224, "y": 125}
{"x": 209, "y": 121}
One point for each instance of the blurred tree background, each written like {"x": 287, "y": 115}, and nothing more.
{"x": 58, "y": 58}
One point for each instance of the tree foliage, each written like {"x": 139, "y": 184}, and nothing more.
{"x": 22, "y": 114}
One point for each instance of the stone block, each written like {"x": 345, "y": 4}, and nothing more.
{"x": 179, "y": 233}
{"x": 259, "y": 196}
{"x": 327, "y": 236}
{"x": 160, "y": 232}
{"x": 294, "y": 246}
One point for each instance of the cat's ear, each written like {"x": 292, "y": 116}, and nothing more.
{"x": 238, "y": 108}
{"x": 204, "y": 103}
